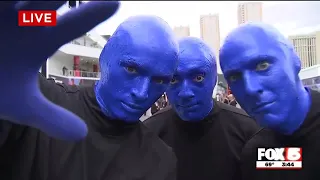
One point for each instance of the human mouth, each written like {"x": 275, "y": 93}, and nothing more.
{"x": 131, "y": 107}
{"x": 262, "y": 106}
{"x": 188, "y": 106}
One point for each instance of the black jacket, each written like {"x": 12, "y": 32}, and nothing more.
{"x": 209, "y": 149}
{"x": 306, "y": 137}
{"x": 113, "y": 150}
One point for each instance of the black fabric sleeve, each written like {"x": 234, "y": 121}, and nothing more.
{"x": 157, "y": 123}
{"x": 56, "y": 92}
{"x": 10, "y": 133}
{"x": 172, "y": 175}
{"x": 153, "y": 124}
{"x": 249, "y": 128}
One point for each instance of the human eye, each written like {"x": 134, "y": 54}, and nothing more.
{"x": 234, "y": 77}
{"x": 199, "y": 78}
{"x": 130, "y": 69}
{"x": 159, "y": 81}
{"x": 262, "y": 66}
{"x": 174, "y": 80}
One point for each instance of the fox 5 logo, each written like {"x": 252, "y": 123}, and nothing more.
{"x": 280, "y": 154}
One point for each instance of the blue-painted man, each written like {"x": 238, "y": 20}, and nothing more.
{"x": 262, "y": 69}
{"x": 207, "y": 136}
{"x": 136, "y": 64}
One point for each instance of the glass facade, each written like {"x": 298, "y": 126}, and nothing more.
{"x": 313, "y": 83}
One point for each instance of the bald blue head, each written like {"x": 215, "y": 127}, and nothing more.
{"x": 246, "y": 37}
{"x": 262, "y": 69}
{"x": 136, "y": 66}
{"x": 190, "y": 92}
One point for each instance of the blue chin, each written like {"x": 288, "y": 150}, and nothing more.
{"x": 194, "y": 113}
{"x": 127, "y": 114}
{"x": 120, "y": 112}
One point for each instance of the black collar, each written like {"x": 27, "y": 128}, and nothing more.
{"x": 199, "y": 128}
{"x": 312, "y": 116}
{"x": 102, "y": 123}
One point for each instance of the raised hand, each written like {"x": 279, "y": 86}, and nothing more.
{"x": 23, "y": 51}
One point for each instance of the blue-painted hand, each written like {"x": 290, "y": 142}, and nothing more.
{"x": 23, "y": 51}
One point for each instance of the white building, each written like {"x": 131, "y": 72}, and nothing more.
{"x": 307, "y": 47}
{"x": 210, "y": 33}
{"x": 77, "y": 62}
{"x": 181, "y": 31}
{"x": 311, "y": 77}
{"x": 249, "y": 12}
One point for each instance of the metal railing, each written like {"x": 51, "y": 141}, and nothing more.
{"x": 76, "y": 73}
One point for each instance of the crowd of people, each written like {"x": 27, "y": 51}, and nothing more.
{"x": 68, "y": 132}
{"x": 227, "y": 99}
{"x": 161, "y": 103}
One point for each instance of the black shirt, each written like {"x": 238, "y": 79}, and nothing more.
{"x": 307, "y": 137}
{"x": 209, "y": 149}
{"x": 113, "y": 150}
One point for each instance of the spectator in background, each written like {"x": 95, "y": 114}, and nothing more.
{"x": 155, "y": 108}
{"x": 165, "y": 101}
{"x": 218, "y": 97}
{"x": 226, "y": 100}
{"x": 65, "y": 71}
{"x": 232, "y": 100}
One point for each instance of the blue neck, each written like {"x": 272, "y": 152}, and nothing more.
{"x": 298, "y": 112}
{"x": 100, "y": 102}
{"x": 208, "y": 109}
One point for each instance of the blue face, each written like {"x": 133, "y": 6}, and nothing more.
{"x": 191, "y": 89}
{"x": 262, "y": 70}
{"x": 137, "y": 65}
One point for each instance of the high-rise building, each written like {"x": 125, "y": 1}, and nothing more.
{"x": 210, "y": 33}
{"x": 182, "y": 31}
{"x": 308, "y": 48}
{"x": 249, "y": 12}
